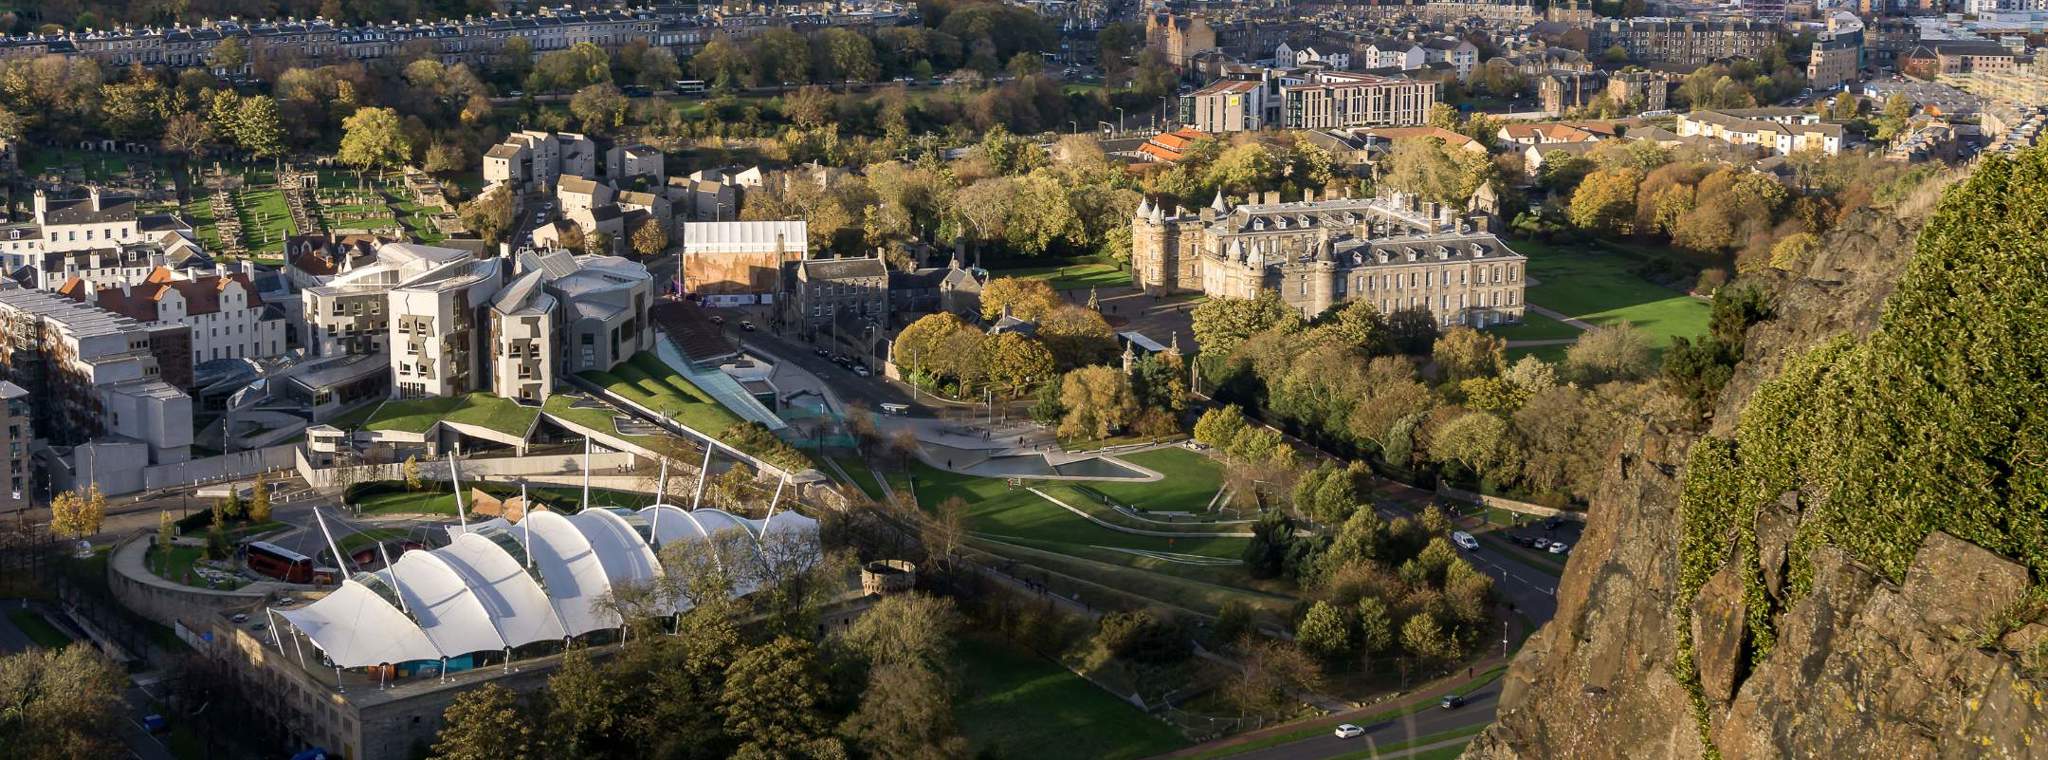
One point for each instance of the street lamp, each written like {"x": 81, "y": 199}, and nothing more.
{"x": 1119, "y": 120}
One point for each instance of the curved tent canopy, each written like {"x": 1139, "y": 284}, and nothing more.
{"x": 483, "y": 591}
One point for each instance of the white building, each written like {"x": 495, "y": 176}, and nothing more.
{"x": 563, "y": 314}
{"x": 97, "y": 376}
{"x": 87, "y": 223}
{"x": 439, "y": 344}
{"x": 229, "y": 320}
{"x": 532, "y": 160}
{"x": 349, "y": 313}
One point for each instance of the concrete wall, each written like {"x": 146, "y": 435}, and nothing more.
{"x": 480, "y": 469}
{"x": 1508, "y": 504}
{"x": 117, "y": 467}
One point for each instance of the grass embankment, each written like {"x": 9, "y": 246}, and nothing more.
{"x": 1016, "y": 704}
{"x": 646, "y": 381}
{"x": 863, "y": 478}
{"x": 479, "y": 409}
{"x": 1076, "y": 276}
{"x": 38, "y": 630}
{"x": 392, "y": 498}
{"x": 562, "y": 407}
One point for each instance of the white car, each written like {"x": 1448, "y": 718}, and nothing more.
{"x": 1464, "y": 540}
{"x": 1559, "y": 547}
{"x": 1348, "y": 731}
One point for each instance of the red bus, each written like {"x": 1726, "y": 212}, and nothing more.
{"x": 278, "y": 562}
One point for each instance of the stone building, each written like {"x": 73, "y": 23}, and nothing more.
{"x": 1395, "y": 251}
{"x": 1685, "y": 42}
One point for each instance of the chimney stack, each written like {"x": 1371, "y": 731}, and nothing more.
{"x": 93, "y": 193}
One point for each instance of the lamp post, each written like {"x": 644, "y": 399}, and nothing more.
{"x": 1119, "y": 120}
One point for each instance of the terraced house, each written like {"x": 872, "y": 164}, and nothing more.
{"x": 469, "y": 40}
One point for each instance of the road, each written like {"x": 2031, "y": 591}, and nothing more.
{"x": 1478, "y": 711}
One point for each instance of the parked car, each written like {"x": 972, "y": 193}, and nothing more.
{"x": 1451, "y": 702}
{"x": 1551, "y": 523}
{"x": 861, "y": 370}
{"x": 747, "y": 325}
{"x": 1348, "y": 731}
{"x": 822, "y": 352}
{"x": 1559, "y": 547}
{"x": 717, "y": 319}
{"x": 1540, "y": 542}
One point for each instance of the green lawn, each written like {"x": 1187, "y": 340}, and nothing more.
{"x": 645, "y": 380}
{"x": 1072, "y": 276}
{"x": 1535, "y": 327}
{"x": 37, "y": 629}
{"x": 481, "y": 409}
{"x": 1552, "y": 354}
{"x": 1594, "y": 283}
{"x": 266, "y": 221}
{"x": 863, "y": 478}
{"x": 1016, "y": 704}
{"x": 997, "y": 510}
{"x": 1191, "y": 481}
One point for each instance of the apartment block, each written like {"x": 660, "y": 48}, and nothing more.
{"x": 1688, "y": 42}
{"x": 1333, "y": 99}
{"x": 17, "y": 424}
{"x": 94, "y": 375}
{"x": 438, "y": 336}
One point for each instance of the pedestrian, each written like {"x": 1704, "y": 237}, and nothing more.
{"x": 949, "y": 464}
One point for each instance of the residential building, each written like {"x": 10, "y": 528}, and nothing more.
{"x": 953, "y": 288}
{"x": 1178, "y": 37}
{"x": 228, "y": 318}
{"x": 1504, "y": 12}
{"x": 1552, "y": 133}
{"x": 1639, "y": 91}
{"x": 736, "y": 263}
{"x": 1394, "y": 251}
{"x": 827, "y": 289}
{"x": 1779, "y": 131}
{"x": 1837, "y": 56}
{"x": 1684, "y": 42}
{"x": 1564, "y": 91}
{"x": 533, "y": 161}
{"x": 1332, "y": 99}
{"x": 114, "y": 265}
{"x": 1226, "y": 105}
{"x": 95, "y": 375}
{"x": 703, "y": 200}
{"x": 1171, "y": 147}
{"x": 1931, "y": 59}
{"x": 93, "y": 222}
{"x": 626, "y": 164}
{"x": 1286, "y": 56}
{"x": 17, "y": 424}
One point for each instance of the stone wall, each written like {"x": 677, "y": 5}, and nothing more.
{"x": 163, "y": 601}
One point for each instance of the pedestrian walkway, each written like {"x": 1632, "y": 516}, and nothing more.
{"x": 1560, "y": 316}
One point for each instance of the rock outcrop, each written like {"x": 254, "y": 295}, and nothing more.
{"x": 1860, "y": 666}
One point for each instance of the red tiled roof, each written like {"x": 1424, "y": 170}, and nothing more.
{"x": 139, "y": 302}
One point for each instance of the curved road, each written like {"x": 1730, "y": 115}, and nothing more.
{"x": 1478, "y": 711}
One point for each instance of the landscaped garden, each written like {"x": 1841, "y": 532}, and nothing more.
{"x": 418, "y": 415}
{"x": 392, "y": 497}
{"x": 1076, "y": 276}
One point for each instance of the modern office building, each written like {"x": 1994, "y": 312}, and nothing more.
{"x": 562, "y": 314}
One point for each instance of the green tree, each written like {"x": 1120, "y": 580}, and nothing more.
{"x": 1605, "y": 201}
{"x": 1099, "y": 403}
{"x": 1427, "y": 640}
{"x": 1013, "y": 361}
{"x": 486, "y": 723}
{"x": 1465, "y": 353}
{"x": 1025, "y": 298}
{"x": 1220, "y": 425}
{"x": 773, "y": 702}
{"x": 779, "y": 56}
{"x": 848, "y": 56}
{"x": 1477, "y": 440}
{"x": 1221, "y": 323}
{"x": 490, "y": 215}
{"x": 720, "y": 63}
{"x": 582, "y": 65}
{"x": 1375, "y": 627}
{"x": 1325, "y": 633}
{"x": 166, "y": 529}
{"x": 231, "y": 54}
{"x": 259, "y": 128}
{"x": 650, "y": 239}
{"x": 372, "y": 138}
{"x": 259, "y": 499}
{"x": 600, "y": 107}
{"x": 60, "y": 703}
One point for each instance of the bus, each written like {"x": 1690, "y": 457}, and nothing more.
{"x": 690, "y": 87}
{"x": 278, "y": 562}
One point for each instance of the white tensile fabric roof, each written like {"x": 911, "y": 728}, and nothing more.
{"x": 482, "y": 592}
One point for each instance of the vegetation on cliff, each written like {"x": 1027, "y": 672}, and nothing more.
{"x": 1931, "y": 423}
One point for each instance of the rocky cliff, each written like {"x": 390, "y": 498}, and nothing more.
{"x": 1859, "y": 663}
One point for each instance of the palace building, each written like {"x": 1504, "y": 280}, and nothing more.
{"x": 1396, "y": 251}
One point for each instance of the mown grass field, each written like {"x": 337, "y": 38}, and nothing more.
{"x": 1596, "y": 283}
{"x": 650, "y": 383}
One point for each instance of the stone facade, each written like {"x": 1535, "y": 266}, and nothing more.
{"x": 1395, "y": 251}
